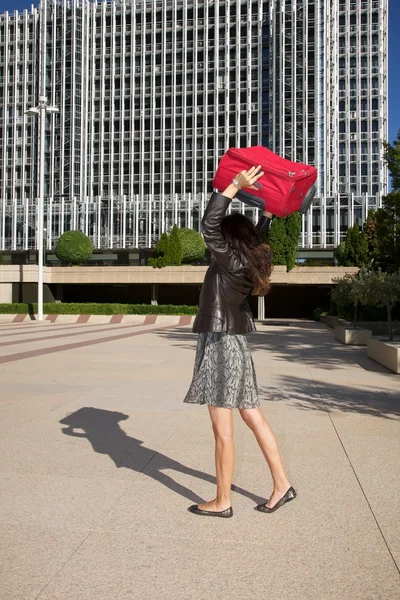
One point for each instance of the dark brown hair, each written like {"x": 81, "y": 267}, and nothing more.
{"x": 244, "y": 239}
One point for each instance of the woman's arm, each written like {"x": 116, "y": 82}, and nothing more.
{"x": 211, "y": 228}
{"x": 215, "y": 212}
{"x": 264, "y": 223}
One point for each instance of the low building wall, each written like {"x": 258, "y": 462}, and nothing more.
{"x": 185, "y": 274}
{"x": 170, "y": 285}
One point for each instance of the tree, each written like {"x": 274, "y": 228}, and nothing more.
{"x": 349, "y": 290}
{"x": 283, "y": 239}
{"x": 370, "y": 233}
{"x": 359, "y": 291}
{"x": 388, "y": 217}
{"x": 277, "y": 241}
{"x": 352, "y": 289}
{"x": 388, "y": 232}
{"x": 340, "y": 293}
{"x": 338, "y": 253}
{"x": 74, "y": 248}
{"x": 392, "y": 158}
{"x": 384, "y": 290}
{"x": 355, "y": 251}
{"x": 293, "y": 229}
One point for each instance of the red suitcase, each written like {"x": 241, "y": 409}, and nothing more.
{"x": 284, "y": 188}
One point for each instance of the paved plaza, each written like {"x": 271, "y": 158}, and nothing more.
{"x": 100, "y": 460}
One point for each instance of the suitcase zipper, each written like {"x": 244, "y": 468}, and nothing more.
{"x": 288, "y": 174}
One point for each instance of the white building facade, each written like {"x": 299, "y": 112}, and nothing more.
{"x": 152, "y": 93}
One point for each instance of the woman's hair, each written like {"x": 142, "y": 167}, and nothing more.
{"x": 244, "y": 238}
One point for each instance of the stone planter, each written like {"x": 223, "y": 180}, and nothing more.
{"x": 351, "y": 336}
{"x": 385, "y": 353}
{"x": 331, "y": 321}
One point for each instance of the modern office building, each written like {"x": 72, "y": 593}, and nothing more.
{"x": 151, "y": 93}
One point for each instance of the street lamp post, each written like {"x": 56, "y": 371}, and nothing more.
{"x": 41, "y": 110}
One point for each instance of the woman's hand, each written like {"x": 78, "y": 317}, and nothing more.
{"x": 244, "y": 179}
{"x": 247, "y": 179}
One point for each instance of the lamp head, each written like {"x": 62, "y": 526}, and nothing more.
{"x": 31, "y": 112}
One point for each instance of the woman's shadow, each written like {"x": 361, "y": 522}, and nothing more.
{"x": 101, "y": 428}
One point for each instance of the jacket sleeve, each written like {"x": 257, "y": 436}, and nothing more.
{"x": 211, "y": 228}
{"x": 263, "y": 225}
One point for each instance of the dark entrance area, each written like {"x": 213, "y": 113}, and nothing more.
{"x": 296, "y": 301}
{"x": 111, "y": 293}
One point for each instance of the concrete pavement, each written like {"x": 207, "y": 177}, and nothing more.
{"x": 100, "y": 459}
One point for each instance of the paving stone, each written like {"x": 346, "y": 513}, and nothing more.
{"x": 100, "y": 458}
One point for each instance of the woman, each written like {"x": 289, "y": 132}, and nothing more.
{"x": 224, "y": 376}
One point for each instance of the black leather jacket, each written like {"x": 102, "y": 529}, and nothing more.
{"x": 223, "y": 304}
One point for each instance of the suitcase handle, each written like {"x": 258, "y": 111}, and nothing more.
{"x": 251, "y": 200}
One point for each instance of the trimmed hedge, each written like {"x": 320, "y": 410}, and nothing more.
{"x": 92, "y": 308}
{"x": 182, "y": 246}
{"x": 193, "y": 245}
{"x": 74, "y": 247}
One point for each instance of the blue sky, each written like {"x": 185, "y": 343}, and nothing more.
{"x": 394, "y": 62}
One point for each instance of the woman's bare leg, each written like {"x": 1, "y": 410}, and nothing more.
{"x": 255, "y": 419}
{"x": 222, "y": 424}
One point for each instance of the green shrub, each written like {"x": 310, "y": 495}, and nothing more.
{"x": 162, "y": 244}
{"x": 159, "y": 262}
{"x": 319, "y": 312}
{"x": 193, "y": 245}
{"x": 15, "y": 309}
{"x": 168, "y": 250}
{"x": 174, "y": 253}
{"x": 74, "y": 248}
{"x": 338, "y": 253}
{"x": 161, "y": 249}
{"x": 92, "y": 308}
{"x": 182, "y": 246}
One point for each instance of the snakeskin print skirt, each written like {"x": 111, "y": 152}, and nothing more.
{"x": 224, "y": 374}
